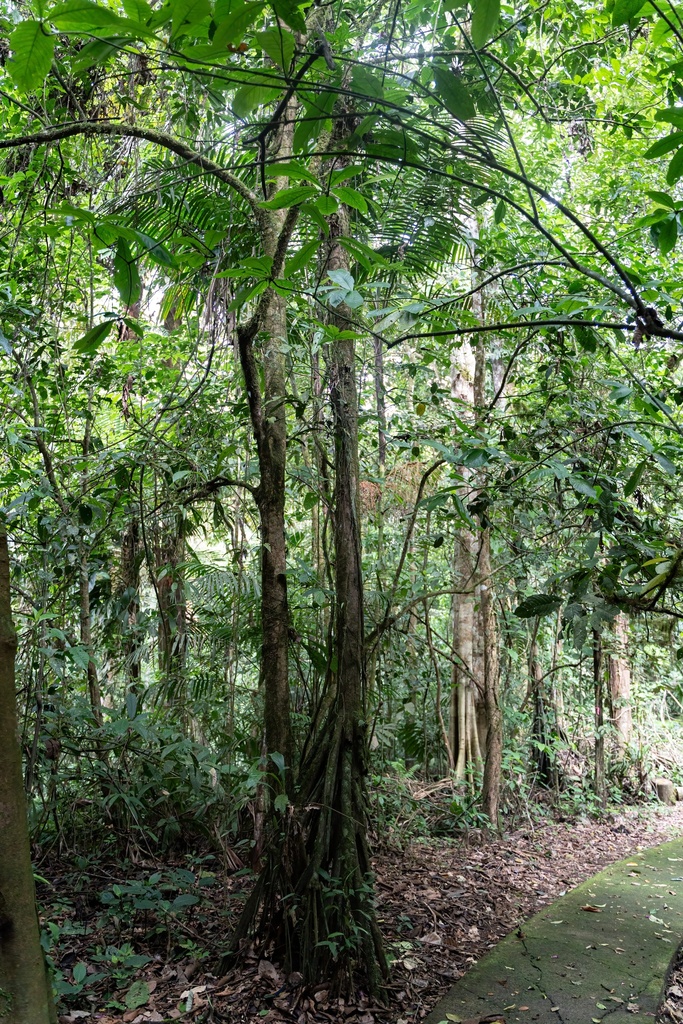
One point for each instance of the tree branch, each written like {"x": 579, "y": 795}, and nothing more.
{"x": 110, "y": 128}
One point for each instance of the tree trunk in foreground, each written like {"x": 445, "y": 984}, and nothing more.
{"x": 600, "y": 783}
{"x": 493, "y": 763}
{"x": 620, "y": 683}
{"x": 25, "y": 993}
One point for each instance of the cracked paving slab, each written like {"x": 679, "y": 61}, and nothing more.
{"x": 601, "y": 952}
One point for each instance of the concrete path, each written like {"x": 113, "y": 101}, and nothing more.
{"x": 600, "y": 952}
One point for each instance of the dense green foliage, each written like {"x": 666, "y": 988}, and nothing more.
{"x": 508, "y": 179}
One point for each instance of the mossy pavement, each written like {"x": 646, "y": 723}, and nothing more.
{"x": 601, "y": 952}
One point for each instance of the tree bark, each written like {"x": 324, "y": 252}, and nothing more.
{"x": 541, "y": 739}
{"x": 467, "y": 685}
{"x": 620, "y": 683}
{"x": 25, "y": 993}
{"x": 381, "y": 400}
{"x": 493, "y": 764}
{"x": 598, "y": 690}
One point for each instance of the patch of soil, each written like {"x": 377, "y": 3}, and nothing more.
{"x": 441, "y": 907}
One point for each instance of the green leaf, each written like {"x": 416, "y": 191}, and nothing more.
{"x": 666, "y": 464}
{"x": 137, "y": 10}
{"x": 234, "y": 26}
{"x": 155, "y": 250}
{"x": 453, "y": 94}
{"x": 672, "y": 115}
{"x": 79, "y": 655}
{"x": 635, "y": 478}
{"x": 290, "y": 13}
{"x": 342, "y": 279}
{"x": 301, "y": 258}
{"x": 91, "y": 341}
{"x": 80, "y": 972}
{"x": 351, "y": 197}
{"x": 278, "y": 43}
{"x": 98, "y": 51}
{"x": 314, "y": 116}
{"x": 249, "y": 97}
{"x": 5, "y": 344}
{"x": 668, "y": 234}
{"x": 82, "y": 15}
{"x": 582, "y": 486}
{"x": 484, "y": 20}
{"x": 287, "y": 197}
{"x": 137, "y": 995}
{"x": 281, "y": 802}
{"x": 625, "y": 10}
{"x": 292, "y": 170}
{"x": 126, "y": 274}
{"x": 537, "y": 604}
{"x": 499, "y": 211}
{"x": 327, "y": 205}
{"x": 663, "y": 146}
{"x": 675, "y": 168}
{"x": 587, "y": 339}
{"x": 661, "y": 198}
{"x": 310, "y": 500}
{"x": 188, "y": 12}
{"x": 343, "y": 173}
{"x": 366, "y": 84}
{"x": 32, "y": 52}
{"x": 185, "y": 899}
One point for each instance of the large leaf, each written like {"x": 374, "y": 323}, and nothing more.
{"x": 290, "y": 13}
{"x": 668, "y": 234}
{"x": 453, "y": 94}
{"x": 663, "y": 146}
{"x": 188, "y": 12}
{"x": 249, "y": 97}
{"x": 365, "y": 83}
{"x": 625, "y": 10}
{"x": 672, "y": 115}
{"x": 635, "y": 478}
{"x": 126, "y": 274}
{"x": 287, "y": 197}
{"x": 351, "y": 198}
{"x": 484, "y": 20}
{"x": 82, "y": 14}
{"x": 537, "y": 604}
{"x": 675, "y": 168}
{"x": 301, "y": 258}
{"x": 138, "y": 10}
{"x": 278, "y": 43}
{"x": 232, "y": 27}
{"x": 90, "y": 342}
{"x": 137, "y": 995}
{"x": 33, "y": 49}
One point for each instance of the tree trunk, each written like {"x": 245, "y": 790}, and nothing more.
{"x": 86, "y": 635}
{"x": 380, "y": 398}
{"x": 620, "y": 683}
{"x": 493, "y": 764}
{"x": 131, "y": 556}
{"x": 25, "y": 994}
{"x": 541, "y": 739}
{"x": 467, "y": 686}
{"x": 172, "y": 610}
{"x": 599, "y": 778}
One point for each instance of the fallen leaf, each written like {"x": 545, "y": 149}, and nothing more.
{"x": 592, "y": 909}
{"x": 137, "y": 995}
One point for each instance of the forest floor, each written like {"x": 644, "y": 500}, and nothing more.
{"x": 441, "y": 905}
